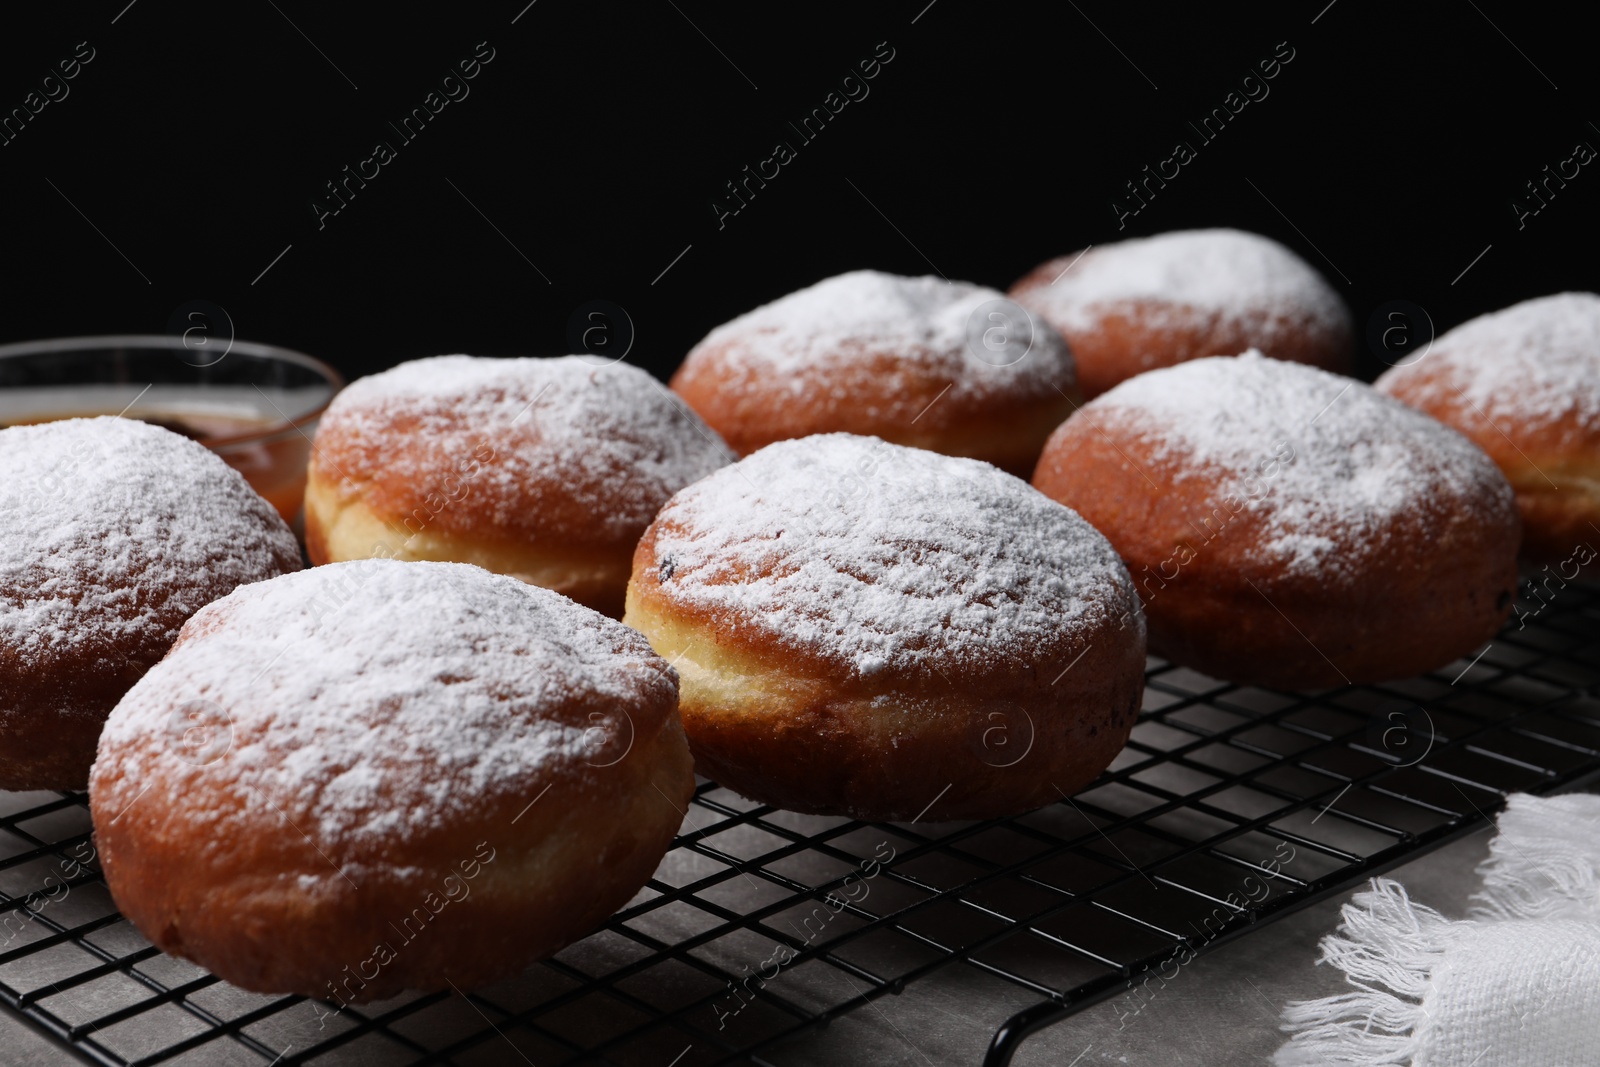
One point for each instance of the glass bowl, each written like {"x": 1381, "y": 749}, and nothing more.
{"x": 255, "y": 405}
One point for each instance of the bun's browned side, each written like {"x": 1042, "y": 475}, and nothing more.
{"x": 873, "y": 393}
{"x": 1444, "y": 583}
{"x": 263, "y": 909}
{"x": 1133, "y": 336}
{"x": 800, "y": 732}
{"x": 379, "y": 817}
{"x": 142, "y": 530}
{"x": 547, "y": 470}
{"x": 1553, "y": 465}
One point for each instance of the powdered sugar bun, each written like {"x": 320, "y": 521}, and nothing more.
{"x": 1148, "y": 302}
{"x": 545, "y": 469}
{"x": 116, "y": 531}
{"x": 860, "y": 625}
{"x": 948, "y": 366}
{"x": 1524, "y": 384}
{"x": 1287, "y": 526}
{"x": 376, "y": 776}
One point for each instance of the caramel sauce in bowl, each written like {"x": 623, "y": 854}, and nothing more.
{"x": 256, "y": 405}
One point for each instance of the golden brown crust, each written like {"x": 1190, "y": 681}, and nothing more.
{"x": 1216, "y": 602}
{"x": 49, "y": 743}
{"x": 54, "y": 708}
{"x": 795, "y": 732}
{"x": 341, "y": 525}
{"x": 267, "y": 913}
{"x": 497, "y": 808}
{"x": 379, "y": 457}
{"x": 1134, "y": 336}
{"x": 137, "y": 532}
{"x": 546, "y": 469}
{"x": 874, "y": 393}
{"x": 1553, "y": 464}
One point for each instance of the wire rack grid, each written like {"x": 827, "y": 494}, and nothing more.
{"x": 1231, "y": 805}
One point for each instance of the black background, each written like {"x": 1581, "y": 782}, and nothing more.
{"x": 591, "y": 147}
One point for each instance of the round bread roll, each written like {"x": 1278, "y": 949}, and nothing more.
{"x": 379, "y": 776}
{"x": 1524, "y": 384}
{"x": 1288, "y": 527}
{"x": 544, "y": 469}
{"x": 1149, "y": 302}
{"x": 116, "y": 532}
{"x": 947, "y": 366}
{"x": 876, "y": 631}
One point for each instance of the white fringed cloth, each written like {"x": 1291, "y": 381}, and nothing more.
{"x": 1516, "y": 984}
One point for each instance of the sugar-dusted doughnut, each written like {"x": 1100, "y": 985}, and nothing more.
{"x": 115, "y": 532}
{"x": 383, "y": 775}
{"x": 544, "y": 469}
{"x": 884, "y": 632}
{"x": 1149, "y": 302}
{"x": 1290, "y": 527}
{"x": 1524, "y": 384}
{"x": 947, "y": 366}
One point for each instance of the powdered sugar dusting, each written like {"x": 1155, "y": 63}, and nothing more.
{"x": 374, "y": 700}
{"x": 115, "y": 532}
{"x": 920, "y": 321}
{"x": 1328, "y": 462}
{"x": 1529, "y": 365}
{"x": 610, "y": 436}
{"x": 1192, "y": 275}
{"x": 873, "y": 556}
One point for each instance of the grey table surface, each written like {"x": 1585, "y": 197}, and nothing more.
{"x": 1221, "y": 1009}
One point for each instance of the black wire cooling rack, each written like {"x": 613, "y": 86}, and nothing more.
{"x": 1230, "y": 806}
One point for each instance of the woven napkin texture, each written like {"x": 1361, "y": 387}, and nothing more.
{"x": 1515, "y": 984}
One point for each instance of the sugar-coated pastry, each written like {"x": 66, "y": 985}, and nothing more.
{"x": 1149, "y": 302}
{"x": 1290, "y": 527}
{"x": 1524, "y": 384}
{"x": 544, "y": 469}
{"x": 947, "y": 366}
{"x": 883, "y": 632}
{"x": 115, "y": 532}
{"x": 382, "y": 775}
